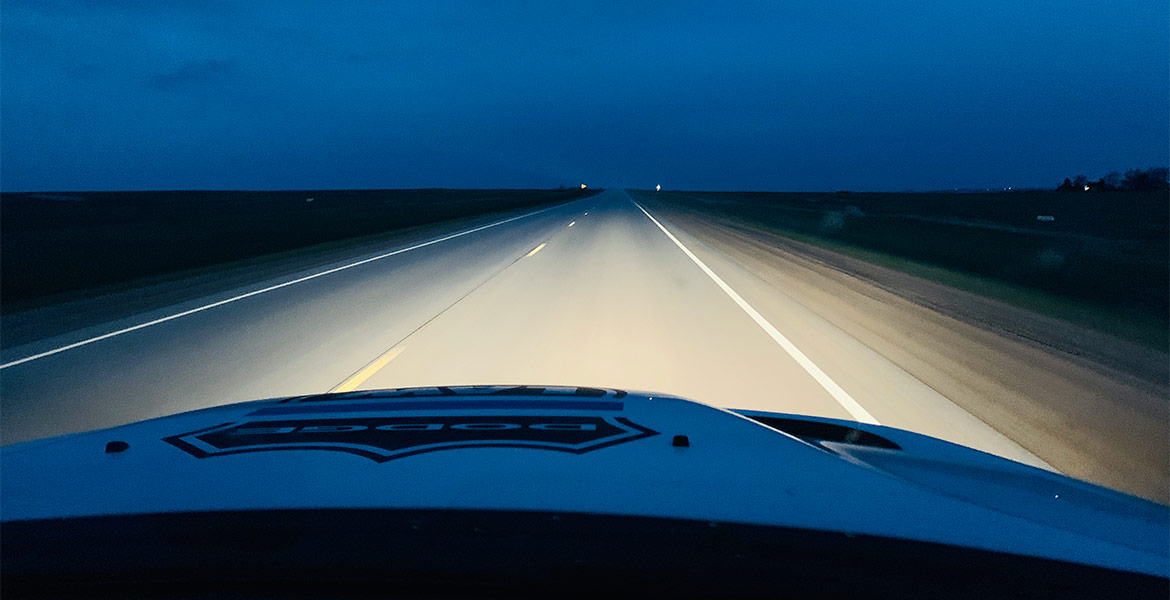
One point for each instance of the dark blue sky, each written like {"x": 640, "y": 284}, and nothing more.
{"x": 817, "y": 95}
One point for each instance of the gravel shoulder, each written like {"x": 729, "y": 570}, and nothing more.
{"x": 1093, "y": 406}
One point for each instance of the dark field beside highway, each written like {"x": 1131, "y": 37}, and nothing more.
{"x": 57, "y": 246}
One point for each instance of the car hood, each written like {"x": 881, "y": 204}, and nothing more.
{"x": 580, "y": 450}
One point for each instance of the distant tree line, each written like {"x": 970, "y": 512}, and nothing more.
{"x": 1134, "y": 180}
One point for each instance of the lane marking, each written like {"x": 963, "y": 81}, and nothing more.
{"x": 572, "y": 224}
{"x": 373, "y": 367}
{"x": 840, "y": 395}
{"x": 261, "y": 291}
{"x": 350, "y": 384}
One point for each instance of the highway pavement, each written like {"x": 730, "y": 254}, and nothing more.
{"x": 596, "y": 292}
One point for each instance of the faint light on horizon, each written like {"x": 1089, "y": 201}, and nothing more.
{"x": 658, "y": 188}
{"x": 582, "y": 186}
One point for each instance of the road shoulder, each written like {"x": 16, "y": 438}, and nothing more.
{"x": 1041, "y": 382}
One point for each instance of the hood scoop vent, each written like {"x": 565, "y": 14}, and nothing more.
{"x": 816, "y": 432}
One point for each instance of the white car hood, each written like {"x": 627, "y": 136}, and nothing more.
{"x": 579, "y": 450}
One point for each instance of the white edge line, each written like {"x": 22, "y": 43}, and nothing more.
{"x": 261, "y": 291}
{"x": 841, "y": 396}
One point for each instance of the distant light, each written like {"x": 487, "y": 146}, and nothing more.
{"x": 583, "y": 186}
{"x": 1086, "y": 188}
{"x": 658, "y": 188}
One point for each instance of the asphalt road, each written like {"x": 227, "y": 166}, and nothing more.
{"x": 596, "y": 292}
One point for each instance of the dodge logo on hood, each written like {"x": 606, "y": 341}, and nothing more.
{"x": 386, "y": 438}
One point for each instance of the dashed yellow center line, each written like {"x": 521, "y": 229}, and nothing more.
{"x": 572, "y": 224}
{"x": 534, "y": 250}
{"x": 351, "y": 384}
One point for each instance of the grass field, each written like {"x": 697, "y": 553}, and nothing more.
{"x": 1101, "y": 260}
{"x": 54, "y": 244}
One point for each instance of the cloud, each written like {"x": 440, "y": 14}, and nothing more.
{"x": 194, "y": 73}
